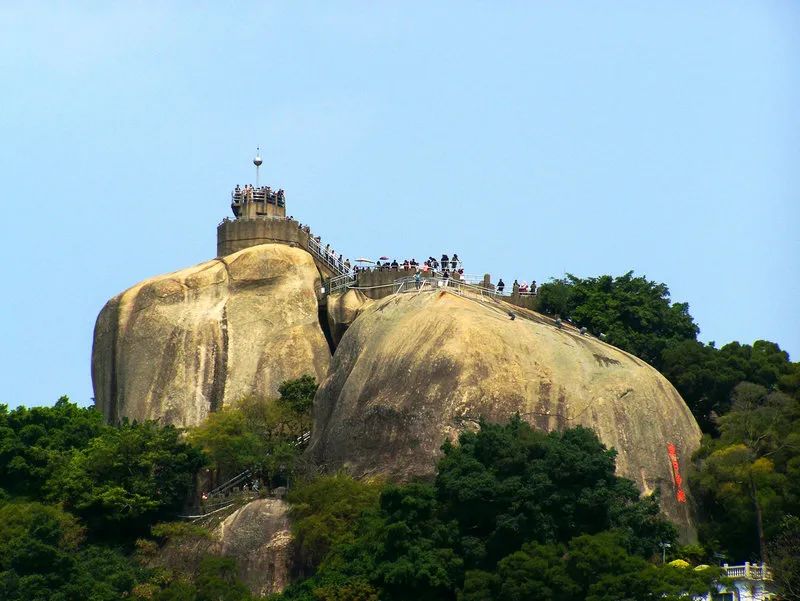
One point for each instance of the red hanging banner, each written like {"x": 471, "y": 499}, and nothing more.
{"x": 680, "y": 495}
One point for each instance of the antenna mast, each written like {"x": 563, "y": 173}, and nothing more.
{"x": 257, "y": 162}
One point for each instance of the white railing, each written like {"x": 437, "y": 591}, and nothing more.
{"x": 411, "y": 284}
{"x": 334, "y": 264}
{"x": 341, "y": 283}
{"x": 749, "y": 571}
{"x": 471, "y": 278}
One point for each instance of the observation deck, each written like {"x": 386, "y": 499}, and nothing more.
{"x": 251, "y": 203}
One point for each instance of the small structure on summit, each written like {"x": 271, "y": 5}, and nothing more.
{"x": 259, "y": 217}
{"x": 252, "y": 202}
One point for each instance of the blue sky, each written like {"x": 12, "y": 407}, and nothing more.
{"x": 531, "y": 138}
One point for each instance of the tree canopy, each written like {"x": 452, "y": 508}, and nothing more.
{"x": 632, "y": 312}
{"x": 266, "y": 435}
{"x": 513, "y": 513}
{"x": 749, "y": 477}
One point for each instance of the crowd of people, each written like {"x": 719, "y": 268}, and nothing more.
{"x": 446, "y": 265}
{"x": 250, "y": 193}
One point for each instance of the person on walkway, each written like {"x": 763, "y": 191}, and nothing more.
{"x": 501, "y": 285}
{"x": 418, "y": 280}
{"x": 515, "y": 287}
{"x": 454, "y": 261}
{"x": 533, "y": 287}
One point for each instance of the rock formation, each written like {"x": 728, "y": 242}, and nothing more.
{"x": 177, "y": 346}
{"x": 258, "y": 536}
{"x": 415, "y": 369}
{"x": 343, "y": 309}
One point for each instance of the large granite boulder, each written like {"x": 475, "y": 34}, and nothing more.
{"x": 415, "y": 369}
{"x": 343, "y": 309}
{"x": 258, "y": 536}
{"x": 177, "y": 346}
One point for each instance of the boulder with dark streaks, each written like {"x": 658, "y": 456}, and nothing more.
{"x": 413, "y": 370}
{"x": 178, "y": 346}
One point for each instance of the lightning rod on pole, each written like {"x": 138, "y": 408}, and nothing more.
{"x": 257, "y": 162}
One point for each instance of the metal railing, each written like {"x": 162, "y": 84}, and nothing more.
{"x": 471, "y": 278}
{"x": 226, "y": 486}
{"x": 262, "y": 194}
{"x": 411, "y": 284}
{"x": 341, "y": 283}
{"x": 335, "y": 265}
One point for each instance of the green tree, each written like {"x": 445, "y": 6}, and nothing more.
{"x": 215, "y": 580}
{"x": 706, "y": 376}
{"x": 127, "y": 478}
{"x": 42, "y": 557}
{"x": 257, "y": 433}
{"x": 324, "y": 512}
{"x": 747, "y": 479}
{"x": 784, "y": 557}
{"x": 594, "y": 567}
{"x": 502, "y": 492}
{"x": 229, "y": 442}
{"x": 298, "y": 394}
{"x": 417, "y": 548}
{"x": 34, "y": 442}
{"x": 536, "y": 572}
{"x": 634, "y": 313}
{"x": 509, "y": 484}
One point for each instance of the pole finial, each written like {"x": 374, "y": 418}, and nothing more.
{"x": 257, "y": 162}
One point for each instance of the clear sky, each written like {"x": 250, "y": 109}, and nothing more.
{"x": 532, "y": 138}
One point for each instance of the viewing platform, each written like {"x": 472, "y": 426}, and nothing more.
{"x": 250, "y": 202}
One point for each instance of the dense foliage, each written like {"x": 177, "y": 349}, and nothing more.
{"x": 85, "y": 506}
{"x": 749, "y": 478}
{"x": 637, "y": 316}
{"x": 127, "y": 478}
{"x": 35, "y": 442}
{"x": 259, "y": 434}
{"x": 513, "y": 514}
{"x": 324, "y": 511}
{"x": 632, "y": 312}
{"x": 42, "y": 556}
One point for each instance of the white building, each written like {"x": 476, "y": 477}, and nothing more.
{"x": 751, "y": 582}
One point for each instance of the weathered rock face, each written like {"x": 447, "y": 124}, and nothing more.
{"x": 416, "y": 369}
{"x": 343, "y": 309}
{"x": 258, "y": 536}
{"x": 177, "y": 346}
